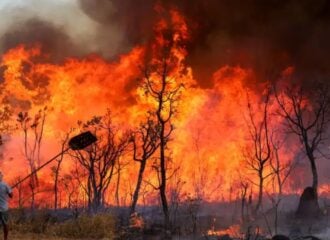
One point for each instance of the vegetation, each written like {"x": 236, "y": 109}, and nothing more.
{"x": 47, "y": 224}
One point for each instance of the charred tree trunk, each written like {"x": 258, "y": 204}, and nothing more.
{"x": 117, "y": 185}
{"x": 308, "y": 204}
{"x": 57, "y": 172}
{"x": 162, "y": 187}
{"x": 314, "y": 172}
{"x": 243, "y": 202}
{"x": 146, "y": 139}
{"x": 138, "y": 187}
{"x": 56, "y": 190}
{"x": 260, "y": 193}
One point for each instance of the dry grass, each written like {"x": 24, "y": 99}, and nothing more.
{"x": 100, "y": 226}
{"x": 42, "y": 226}
{"x": 32, "y": 236}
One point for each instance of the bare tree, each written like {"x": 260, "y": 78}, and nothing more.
{"x": 200, "y": 173}
{"x": 120, "y": 165}
{"x": 56, "y": 169}
{"x": 20, "y": 188}
{"x": 281, "y": 172}
{"x": 258, "y": 155}
{"x": 32, "y": 146}
{"x": 99, "y": 159}
{"x": 70, "y": 187}
{"x": 244, "y": 186}
{"x": 145, "y": 142}
{"x": 280, "y": 169}
{"x": 306, "y": 114}
{"x": 161, "y": 84}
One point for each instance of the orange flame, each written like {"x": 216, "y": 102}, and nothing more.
{"x": 210, "y": 126}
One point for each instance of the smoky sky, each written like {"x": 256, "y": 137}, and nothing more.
{"x": 266, "y": 36}
{"x": 52, "y": 39}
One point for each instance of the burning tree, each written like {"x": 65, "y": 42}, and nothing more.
{"x": 32, "y": 147}
{"x": 281, "y": 172}
{"x": 258, "y": 156}
{"x": 100, "y": 159}
{"x": 161, "y": 83}
{"x": 306, "y": 114}
{"x": 56, "y": 169}
{"x": 145, "y": 143}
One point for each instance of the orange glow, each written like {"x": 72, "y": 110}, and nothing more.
{"x": 210, "y": 126}
{"x": 233, "y": 231}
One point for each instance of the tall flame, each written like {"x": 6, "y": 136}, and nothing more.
{"x": 210, "y": 127}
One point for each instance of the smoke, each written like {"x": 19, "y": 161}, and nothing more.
{"x": 135, "y": 17}
{"x": 61, "y": 27}
{"x": 266, "y": 36}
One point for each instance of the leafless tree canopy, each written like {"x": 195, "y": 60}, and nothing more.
{"x": 33, "y": 129}
{"x": 258, "y": 156}
{"x": 307, "y": 114}
{"x": 161, "y": 83}
{"x": 100, "y": 159}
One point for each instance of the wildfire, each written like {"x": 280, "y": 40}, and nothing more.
{"x": 233, "y": 231}
{"x": 210, "y": 125}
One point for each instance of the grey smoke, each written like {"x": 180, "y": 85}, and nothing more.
{"x": 267, "y": 36}
{"x": 61, "y": 26}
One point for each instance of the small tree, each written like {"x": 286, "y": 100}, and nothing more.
{"x": 70, "y": 187}
{"x": 32, "y": 146}
{"x": 281, "y": 172}
{"x": 258, "y": 155}
{"x": 56, "y": 169}
{"x": 244, "y": 186}
{"x": 99, "y": 159}
{"x": 162, "y": 83}
{"x": 145, "y": 142}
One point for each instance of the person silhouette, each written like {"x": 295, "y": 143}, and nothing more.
{"x": 5, "y": 192}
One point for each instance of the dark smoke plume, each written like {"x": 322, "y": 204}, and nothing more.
{"x": 53, "y": 40}
{"x": 266, "y": 36}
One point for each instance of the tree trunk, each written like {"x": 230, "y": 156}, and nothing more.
{"x": 243, "y": 209}
{"x": 162, "y": 187}
{"x": 314, "y": 173}
{"x": 117, "y": 185}
{"x": 260, "y": 194}
{"x": 138, "y": 186}
{"x": 55, "y": 192}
